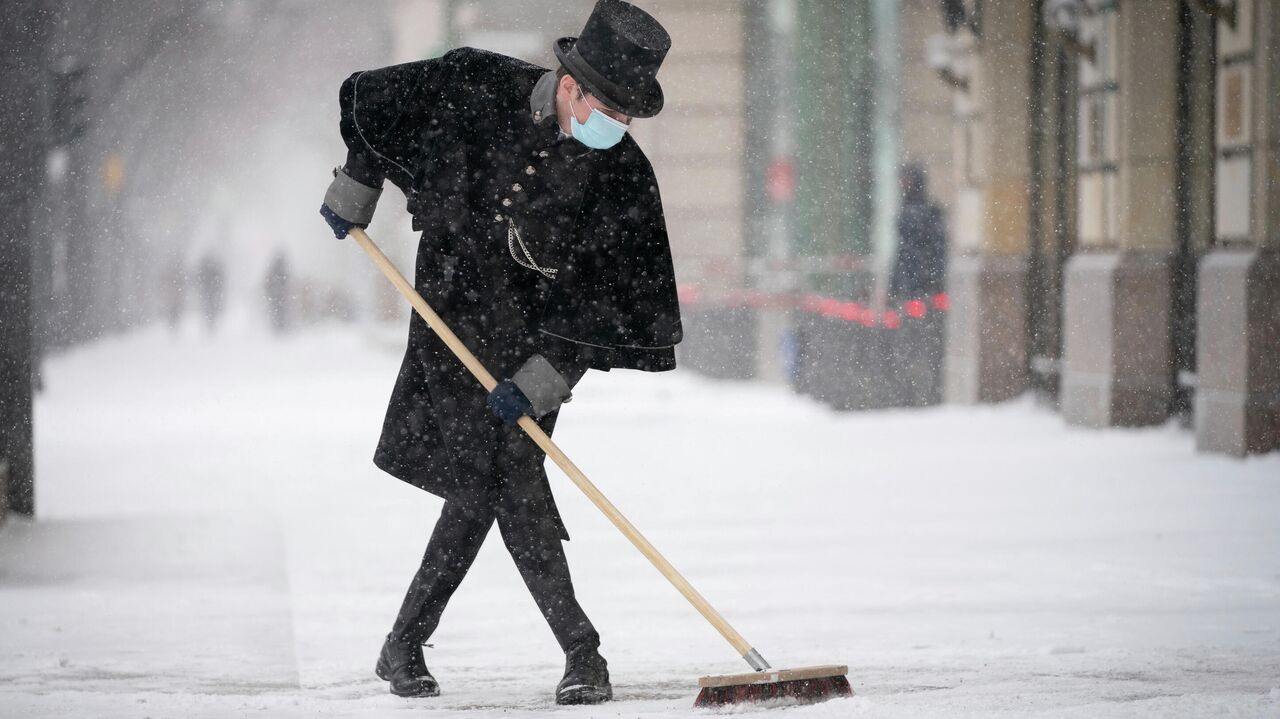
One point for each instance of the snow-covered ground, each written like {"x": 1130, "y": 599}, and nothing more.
{"x": 214, "y": 541}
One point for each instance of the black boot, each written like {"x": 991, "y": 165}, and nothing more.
{"x": 586, "y": 676}
{"x": 402, "y": 664}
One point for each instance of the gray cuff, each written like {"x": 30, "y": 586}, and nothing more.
{"x": 351, "y": 200}
{"x": 546, "y": 388}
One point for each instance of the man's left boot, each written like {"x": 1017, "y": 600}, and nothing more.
{"x": 586, "y": 676}
{"x": 402, "y": 664}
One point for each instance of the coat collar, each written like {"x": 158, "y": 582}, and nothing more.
{"x": 542, "y": 101}
{"x": 542, "y": 108}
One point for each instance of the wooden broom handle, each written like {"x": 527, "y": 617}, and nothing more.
{"x": 542, "y": 440}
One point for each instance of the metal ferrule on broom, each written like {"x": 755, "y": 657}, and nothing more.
{"x": 756, "y": 661}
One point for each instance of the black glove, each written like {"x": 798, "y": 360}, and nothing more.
{"x": 536, "y": 390}
{"x": 348, "y": 203}
{"x": 339, "y": 226}
{"x": 508, "y": 403}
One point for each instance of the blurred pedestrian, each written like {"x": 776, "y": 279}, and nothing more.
{"x": 921, "y": 267}
{"x": 919, "y": 275}
{"x": 212, "y": 278}
{"x": 276, "y": 288}
{"x": 173, "y": 280}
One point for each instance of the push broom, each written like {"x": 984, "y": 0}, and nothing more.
{"x": 805, "y": 685}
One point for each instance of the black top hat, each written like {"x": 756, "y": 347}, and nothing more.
{"x": 617, "y": 57}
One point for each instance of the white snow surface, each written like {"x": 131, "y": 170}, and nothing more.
{"x": 214, "y": 541}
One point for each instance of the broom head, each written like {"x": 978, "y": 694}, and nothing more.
{"x": 807, "y": 685}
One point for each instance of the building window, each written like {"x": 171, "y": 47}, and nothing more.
{"x": 1096, "y": 151}
{"x": 1233, "y": 177}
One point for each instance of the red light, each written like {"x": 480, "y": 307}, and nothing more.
{"x": 892, "y": 320}
{"x": 941, "y": 301}
{"x": 915, "y": 309}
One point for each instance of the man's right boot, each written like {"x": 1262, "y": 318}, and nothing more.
{"x": 586, "y": 676}
{"x": 403, "y": 665}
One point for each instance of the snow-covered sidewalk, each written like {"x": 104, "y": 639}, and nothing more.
{"x": 214, "y": 541}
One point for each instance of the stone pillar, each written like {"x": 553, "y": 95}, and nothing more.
{"x": 1237, "y": 404}
{"x": 1116, "y": 360}
{"x": 986, "y": 327}
{"x": 696, "y": 146}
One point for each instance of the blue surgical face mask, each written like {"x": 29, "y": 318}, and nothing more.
{"x": 599, "y": 132}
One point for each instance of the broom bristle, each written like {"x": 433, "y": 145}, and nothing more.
{"x": 793, "y": 691}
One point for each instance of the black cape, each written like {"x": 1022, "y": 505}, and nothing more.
{"x": 530, "y": 243}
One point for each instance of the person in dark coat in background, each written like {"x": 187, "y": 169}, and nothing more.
{"x": 921, "y": 267}
{"x": 918, "y": 275}
{"x": 545, "y": 249}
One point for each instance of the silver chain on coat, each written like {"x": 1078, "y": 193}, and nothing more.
{"x": 513, "y": 239}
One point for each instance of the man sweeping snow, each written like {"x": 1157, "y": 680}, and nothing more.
{"x": 544, "y": 247}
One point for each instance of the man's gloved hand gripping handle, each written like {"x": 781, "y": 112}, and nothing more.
{"x": 351, "y": 198}
{"x": 536, "y": 390}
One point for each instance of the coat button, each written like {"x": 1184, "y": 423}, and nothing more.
{"x": 529, "y": 170}
{"x": 544, "y": 153}
{"x": 516, "y": 187}
{"x": 497, "y": 218}
{"x": 506, "y": 202}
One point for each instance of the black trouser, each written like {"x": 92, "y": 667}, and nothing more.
{"x": 533, "y": 539}
{"x": 483, "y": 453}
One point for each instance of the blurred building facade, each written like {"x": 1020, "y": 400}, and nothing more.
{"x": 1131, "y": 215}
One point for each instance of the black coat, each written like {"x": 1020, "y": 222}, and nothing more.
{"x": 530, "y": 244}
{"x": 921, "y": 266}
